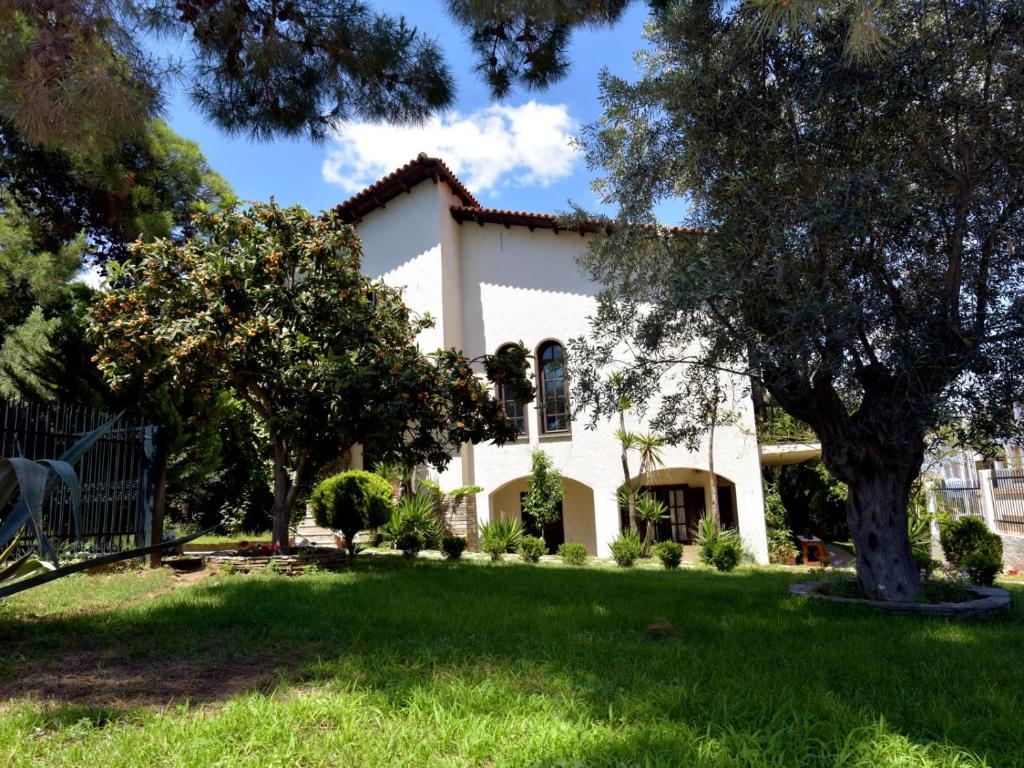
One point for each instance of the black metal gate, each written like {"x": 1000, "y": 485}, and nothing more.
{"x": 115, "y": 474}
{"x": 1008, "y": 499}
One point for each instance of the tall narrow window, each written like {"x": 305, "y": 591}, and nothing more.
{"x": 516, "y": 412}
{"x": 554, "y": 395}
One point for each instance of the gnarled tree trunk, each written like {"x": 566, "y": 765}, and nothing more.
{"x": 877, "y": 516}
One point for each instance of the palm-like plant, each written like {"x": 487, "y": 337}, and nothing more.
{"x": 649, "y": 446}
{"x": 651, "y": 511}
{"x": 417, "y": 514}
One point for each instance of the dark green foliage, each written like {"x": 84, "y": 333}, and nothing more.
{"x": 870, "y": 275}
{"x": 526, "y": 43}
{"x": 409, "y": 543}
{"x": 627, "y": 548}
{"x": 531, "y": 548}
{"x": 813, "y": 499}
{"x": 415, "y": 513}
{"x": 573, "y": 553}
{"x": 544, "y": 492}
{"x": 982, "y": 567}
{"x": 721, "y": 549}
{"x": 780, "y": 538}
{"x": 920, "y": 534}
{"x": 670, "y": 553}
{"x": 969, "y": 534}
{"x": 500, "y": 536}
{"x": 453, "y": 547}
{"x": 350, "y": 502}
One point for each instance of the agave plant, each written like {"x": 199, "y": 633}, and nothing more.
{"x": 417, "y": 514}
{"x": 500, "y": 536}
{"x": 33, "y": 481}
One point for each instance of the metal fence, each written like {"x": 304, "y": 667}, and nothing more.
{"x": 960, "y": 501}
{"x": 1008, "y": 500}
{"x": 115, "y": 474}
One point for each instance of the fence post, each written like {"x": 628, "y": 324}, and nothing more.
{"x": 988, "y": 504}
{"x": 147, "y": 488}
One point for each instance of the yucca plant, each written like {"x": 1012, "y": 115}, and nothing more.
{"x": 500, "y": 536}
{"x": 651, "y": 511}
{"x": 416, "y": 513}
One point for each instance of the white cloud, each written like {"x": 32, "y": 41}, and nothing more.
{"x": 490, "y": 148}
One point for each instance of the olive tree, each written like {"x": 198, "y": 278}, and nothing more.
{"x": 854, "y": 240}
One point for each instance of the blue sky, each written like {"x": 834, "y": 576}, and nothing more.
{"x": 511, "y": 154}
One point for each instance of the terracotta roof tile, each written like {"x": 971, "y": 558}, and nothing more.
{"x": 402, "y": 180}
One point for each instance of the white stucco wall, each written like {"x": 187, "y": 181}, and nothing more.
{"x": 489, "y": 285}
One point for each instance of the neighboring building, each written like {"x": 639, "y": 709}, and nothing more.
{"x": 491, "y": 277}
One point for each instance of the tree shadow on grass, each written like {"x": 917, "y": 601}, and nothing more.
{"x": 741, "y": 656}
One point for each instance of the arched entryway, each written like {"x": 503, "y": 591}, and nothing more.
{"x": 577, "y": 520}
{"x": 686, "y": 494}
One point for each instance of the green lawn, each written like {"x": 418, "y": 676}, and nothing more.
{"x": 435, "y": 664}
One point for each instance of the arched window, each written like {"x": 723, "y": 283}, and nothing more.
{"x": 553, "y": 387}
{"x": 516, "y": 412}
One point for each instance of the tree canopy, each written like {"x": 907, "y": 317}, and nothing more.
{"x": 271, "y": 304}
{"x": 856, "y": 230}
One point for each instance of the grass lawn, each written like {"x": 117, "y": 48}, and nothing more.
{"x": 215, "y": 539}
{"x": 438, "y": 664}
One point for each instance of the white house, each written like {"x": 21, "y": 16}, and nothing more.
{"x": 491, "y": 277}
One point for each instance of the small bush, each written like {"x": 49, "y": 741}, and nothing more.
{"x": 410, "y": 542}
{"x": 723, "y": 550}
{"x": 970, "y": 545}
{"x": 413, "y": 514}
{"x": 627, "y": 548}
{"x": 670, "y": 553}
{"x": 960, "y": 538}
{"x": 952, "y": 590}
{"x": 351, "y": 502}
{"x": 982, "y": 567}
{"x": 531, "y": 548}
{"x": 728, "y": 552}
{"x": 453, "y": 547}
{"x": 573, "y": 553}
{"x": 500, "y": 536}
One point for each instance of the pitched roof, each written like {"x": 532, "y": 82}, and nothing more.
{"x": 529, "y": 219}
{"x": 402, "y": 180}
{"x": 424, "y": 167}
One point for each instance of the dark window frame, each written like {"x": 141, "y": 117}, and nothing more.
{"x": 518, "y": 419}
{"x": 542, "y": 379}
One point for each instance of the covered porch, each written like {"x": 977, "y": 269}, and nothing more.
{"x": 686, "y": 494}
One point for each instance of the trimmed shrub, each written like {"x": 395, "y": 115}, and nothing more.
{"x": 351, "y": 502}
{"x": 453, "y": 547}
{"x": 410, "y": 543}
{"x": 531, "y": 548}
{"x": 967, "y": 536}
{"x": 722, "y": 550}
{"x": 982, "y": 567}
{"x": 573, "y": 553}
{"x": 499, "y": 537}
{"x": 669, "y": 552}
{"x": 627, "y": 548}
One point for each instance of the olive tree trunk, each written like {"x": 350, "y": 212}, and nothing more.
{"x": 877, "y": 516}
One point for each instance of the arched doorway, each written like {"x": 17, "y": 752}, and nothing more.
{"x": 686, "y": 494}
{"x": 577, "y": 519}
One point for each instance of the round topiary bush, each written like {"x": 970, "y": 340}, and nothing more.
{"x": 531, "y": 548}
{"x": 966, "y": 536}
{"x": 573, "y": 553}
{"x": 669, "y": 552}
{"x": 350, "y": 502}
{"x": 453, "y": 547}
{"x": 410, "y": 543}
{"x": 627, "y": 548}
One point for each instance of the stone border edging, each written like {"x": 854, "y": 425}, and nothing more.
{"x": 991, "y": 600}
{"x": 290, "y": 565}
